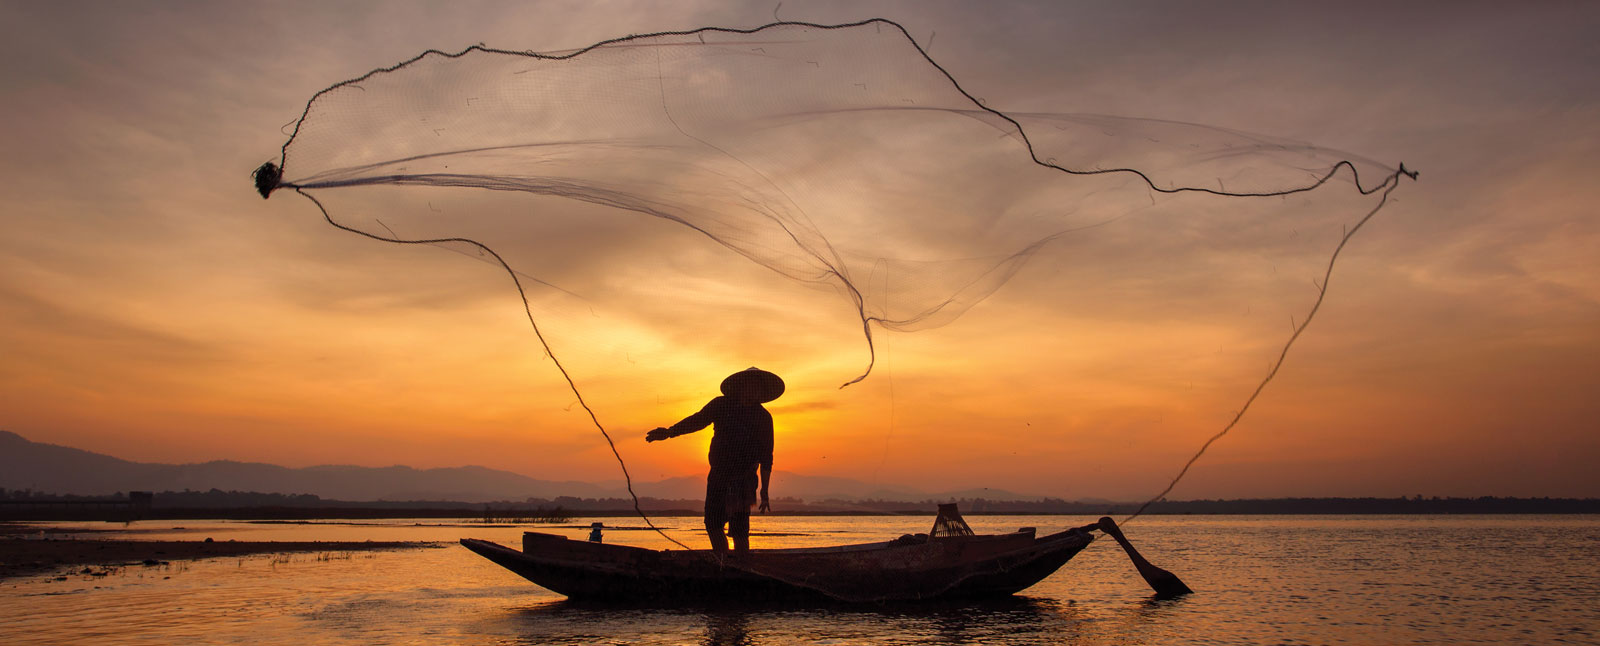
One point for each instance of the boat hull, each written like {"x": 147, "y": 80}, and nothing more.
{"x": 907, "y": 569}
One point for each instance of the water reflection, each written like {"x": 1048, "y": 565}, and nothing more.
{"x": 728, "y": 629}
{"x": 1017, "y": 620}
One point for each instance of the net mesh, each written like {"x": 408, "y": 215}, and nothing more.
{"x": 840, "y": 157}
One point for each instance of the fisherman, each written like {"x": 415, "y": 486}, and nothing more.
{"x": 741, "y": 447}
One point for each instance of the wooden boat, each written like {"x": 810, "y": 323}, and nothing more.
{"x": 912, "y": 567}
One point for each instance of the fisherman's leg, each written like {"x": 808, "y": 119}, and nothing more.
{"x": 739, "y": 529}
{"x": 719, "y": 541}
{"x": 716, "y": 516}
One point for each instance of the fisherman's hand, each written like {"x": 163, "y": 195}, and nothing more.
{"x": 765, "y": 506}
{"x": 657, "y": 435}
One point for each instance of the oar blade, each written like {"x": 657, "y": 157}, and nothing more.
{"x": 1166, "y": 584}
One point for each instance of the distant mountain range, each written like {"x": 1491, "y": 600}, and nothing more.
{"x": 50, "y": 468}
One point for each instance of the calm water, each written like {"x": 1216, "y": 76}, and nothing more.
{"x": 1259, "y": 580}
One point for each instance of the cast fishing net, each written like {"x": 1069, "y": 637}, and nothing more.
{"x": 840, "y": 157}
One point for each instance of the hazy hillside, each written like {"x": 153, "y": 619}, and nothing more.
{"x": 63, "y": 470}
{"x": 58, "y": 469}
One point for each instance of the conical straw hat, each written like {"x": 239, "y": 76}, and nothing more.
{"x": 755, "y": 383}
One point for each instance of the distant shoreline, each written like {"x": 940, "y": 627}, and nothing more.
{"x": 528, "y": 512}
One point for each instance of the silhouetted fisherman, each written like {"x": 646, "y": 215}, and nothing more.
{"x": 741, "y": 447}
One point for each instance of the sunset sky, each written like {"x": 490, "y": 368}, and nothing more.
{"x": 153, "y": 307}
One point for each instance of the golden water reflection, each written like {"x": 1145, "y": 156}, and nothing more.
{"x": 1355, "y": 579}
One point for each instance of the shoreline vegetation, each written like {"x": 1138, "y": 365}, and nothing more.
{"x": 234, "y": 505}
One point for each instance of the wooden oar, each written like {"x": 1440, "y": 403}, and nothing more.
{"x": 1166, "y": 584}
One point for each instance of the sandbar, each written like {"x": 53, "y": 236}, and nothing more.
{"x": 20, "y": 557}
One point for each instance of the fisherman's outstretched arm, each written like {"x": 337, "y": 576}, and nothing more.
{"x": 689, "y": 424}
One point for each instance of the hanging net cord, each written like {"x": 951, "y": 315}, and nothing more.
{"x": 756, "y": 211}
{"x": 528, "y": 310}
{"x": 1322, "y": 293}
